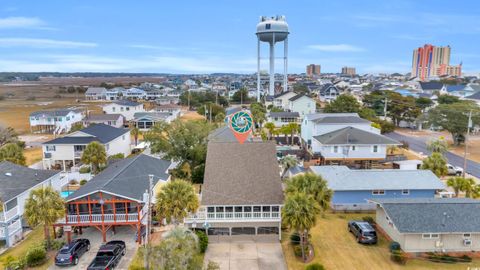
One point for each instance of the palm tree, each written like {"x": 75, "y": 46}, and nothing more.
{"x": 95, "y": 155}
{"x": 392, "y": 149}
{"x": 467, "y": 185}
{"x": 135, "y": 132}
{"x": 220, "y": 117}
{"x": 436, "y": 163}
{"x": 293, "y": 129}
{"x": 176, "y": 200}
{"x": 285, "y": 130}
{"x": 300, "y": 214}
{"x": 311, "y": 184}
{"x": 44, "y": 206}
{"x": 288, "y": 162}
{"x": 271, "y": 128}
{"x": 437, "y": 146}
{"x": 12, "y": 152}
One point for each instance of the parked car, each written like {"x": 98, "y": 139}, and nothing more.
{"x": 71, "y": 253}
{"x": 454, "y": 170}
{"x": 108, "y": 256}
{"x": 363, "y": 231}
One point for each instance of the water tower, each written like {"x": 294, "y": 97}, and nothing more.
{"x": 272, "y": 30}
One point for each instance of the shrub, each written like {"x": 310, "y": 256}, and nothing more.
{"x": 202, "y": 240}
{"x": 399, "y": 257}
{"x": 73, "y": 182}
{"x": 297, "y": 250}
{"x": 394, "y": 246}
{"x": 31, "y": 98}
{"x": 84, "y": 170}
{"x": 295, "y": 239}
{"x": 368, "y": 219}
{"x": 405, "y": 145}
{"x": 10, "y": 263}
{"x": 213, "y": 266}
{"x": 117, "y": 156}
{"x": 36, "y": 256}
{"x": 315, "y": 266}
{"x": 57, "y": 244}
{"x": 445, "y": 258}
{"x": 83, "y": 182}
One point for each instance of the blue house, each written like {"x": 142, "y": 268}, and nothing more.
{"x": 354, "y": 188}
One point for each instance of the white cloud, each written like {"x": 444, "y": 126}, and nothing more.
{"x": 336, "y": 48}
{"x": 22, "y": 22}
{"x": 43, "y": 43}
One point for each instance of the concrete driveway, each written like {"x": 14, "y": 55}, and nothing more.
{"x": 248, "y": 254}
{"x": 124, "y": 233}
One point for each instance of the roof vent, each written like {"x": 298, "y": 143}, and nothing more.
{"x": 8, "y": 174}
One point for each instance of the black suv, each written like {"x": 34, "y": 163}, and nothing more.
{"x": 363, "y": 231}
{"x": 70, "y": 254}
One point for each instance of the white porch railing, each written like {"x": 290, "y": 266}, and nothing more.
{"x": 234, "y": 216}
{"x": 97, "y": 218}
{"x": 12, "y": 228}
{"x": 2, "y": 232}
{"x": 5, "y": 216}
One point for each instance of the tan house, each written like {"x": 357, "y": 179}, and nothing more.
{"x": 431, "y": 225}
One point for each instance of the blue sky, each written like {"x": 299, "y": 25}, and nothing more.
{"x": 218, "y": 36}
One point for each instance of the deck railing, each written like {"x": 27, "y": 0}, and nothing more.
{"x": 98, "y": 218}
{"x": 234, "y": 216}
{"x": 5, "y": 216}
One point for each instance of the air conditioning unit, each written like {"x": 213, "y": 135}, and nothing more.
{"x": 467, "y": 242}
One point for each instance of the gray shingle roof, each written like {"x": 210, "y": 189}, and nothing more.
{"x": 103, "y": 117}
{"x": 474, "y": 96}
{"x": 342, "y": 178}
{"x": 296, "y": 97}
{"x": 351, "y": 135}
{"x": 53, "y": 113}
{"x": 127, "y": 178}
{"x": 431, "y": 85}
{"x": 284, "y": 114}
{"x": 100, "y": 132}
{"x": 336, "y": 118}
{"x": 447, "y": 215}
{"x": 126, "y": 102}
{"x": 239, "y": 174}
{"x": 154, "y": 116}
{"x": 15, "y": 179}
{"x": 224, "y": 134}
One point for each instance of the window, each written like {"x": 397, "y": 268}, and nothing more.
{"x": 266, "y": 208}
{"x": 123, "y": 137}
{"x": 268, "y": 26}
{"x": 50, "y": 148}
{"x": 127, "y": 108}
{"x": 354, "y": 147}
{"x": 275, "y": 208}
{"x": 430, "y": 236}
{"x": 378, "y": 192}
{"x": 107, "y": 147}
{"x": 68, "y": 118}
{"x": 121, "y": 109}
{"x": 375, "y": 148}
{"x": 256, "y": 209}
{"x": 238, "y": 209}
{"x": 219, "y": 209}
{"x": 113, "y": 109}
{"x": 247, "y": 209}
{"x": 405, "y": 192}
{"x": 467, "y": 236}
{"x": 335, "y": 149}
{"x": 210, "y": 209}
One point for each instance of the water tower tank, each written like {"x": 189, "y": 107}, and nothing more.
{"x": 268, "y": 27}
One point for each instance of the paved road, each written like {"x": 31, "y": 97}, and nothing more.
{"x": 419, "y": 145}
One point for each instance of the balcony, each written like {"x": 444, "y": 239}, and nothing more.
{"x": 6, "y": 216}
{"x": 12, "y": 228}
{"x": 95, "y": 218}
{"x": 202, "y": 216}
{"x": 78, "y": 154}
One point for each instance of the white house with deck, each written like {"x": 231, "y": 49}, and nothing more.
{"x": 127, "y": 108}
{"x": 16, "y": 182}
{"x": 55, "y": 121}
{"x": 66, "y": 152}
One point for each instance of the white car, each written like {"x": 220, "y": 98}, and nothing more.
{"x": 454, "y": 170}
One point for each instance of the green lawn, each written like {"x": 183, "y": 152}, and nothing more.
{"x": 336, "y": 248}
{"x": 34, "y": 238}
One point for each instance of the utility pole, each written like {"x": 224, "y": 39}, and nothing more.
{"x": 149, "y": 221}
{"x": 210, "y": 113}
{"x": 385, "y": 110}
{"x": 469, "y": 124}
{"x": 188, "y": 98}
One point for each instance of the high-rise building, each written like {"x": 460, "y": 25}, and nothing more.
{"x": 432, "y": 61}
{"x": 348, "y": 71}
{"x": 313, "y": 70}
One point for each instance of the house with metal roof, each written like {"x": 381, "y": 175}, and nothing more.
{"x": 125, "y": 107}
{"x": 55, "y": 121}
{"x": 96, "y": 93}
{"x": 65, "y": 152}
{"x": 242, "y": 192}
{"x": 352, "y": 189}
{"x": 16, "y": 182}
{"x": 118, "y": 196}
{"x": 431, "y": 225}
{"x": 146, "y": 120}
{"x": 343, "y": 138}
{"x": 115, "y": 120}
